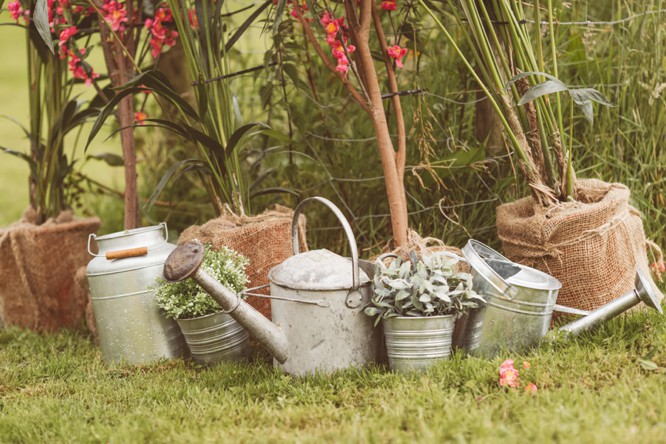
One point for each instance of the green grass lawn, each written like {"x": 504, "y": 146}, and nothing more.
{"x": 608, "y": 386}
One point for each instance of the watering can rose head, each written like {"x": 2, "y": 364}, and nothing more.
{"x": 430, "y": 286}
{"x": 186, "y": 300}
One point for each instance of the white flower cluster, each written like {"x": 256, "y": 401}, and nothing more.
{"x": 185, "y": 299}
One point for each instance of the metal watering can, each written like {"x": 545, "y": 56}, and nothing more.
{"x": 317, "y": 301}
{"x": 520, "y": 302}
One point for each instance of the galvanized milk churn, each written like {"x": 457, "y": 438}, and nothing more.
{"x": 130, "y": 326}
{"x": 519, "y": 302}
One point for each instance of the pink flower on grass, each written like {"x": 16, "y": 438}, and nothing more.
{"x": 397, "y": 53}
{"x": 530, "y": 389}
{"x": 508, "y": 374}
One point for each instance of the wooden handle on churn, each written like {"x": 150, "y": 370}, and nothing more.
{"x": 130, "y": 252}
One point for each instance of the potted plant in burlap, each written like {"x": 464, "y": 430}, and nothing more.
{"x": 583, "y": 232}
{"x": 214, "y": 137}
{"x": 40, "y": 254}
{"x": 418, "y": 302}
{"x": 212, "y": 335}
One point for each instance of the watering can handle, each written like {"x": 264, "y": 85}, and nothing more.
{"x": 345, "y": 225}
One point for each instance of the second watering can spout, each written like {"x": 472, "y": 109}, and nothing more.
{"x": 185, "y": 261}
{"x": 642, "y": 292}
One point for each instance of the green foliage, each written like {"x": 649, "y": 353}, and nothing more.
{"x": 185, "y": 299}
{"x": 430, "y": 286}
{"x": 594, "y": 389}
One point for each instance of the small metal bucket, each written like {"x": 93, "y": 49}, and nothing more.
{"x": 129, "y": 323}
{"x": 215, "y": 338}
{"x": 519, "y": 301}
{"x": 415, "y": 343}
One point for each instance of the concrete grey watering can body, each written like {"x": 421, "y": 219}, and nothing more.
{"x": 317, "y": 300}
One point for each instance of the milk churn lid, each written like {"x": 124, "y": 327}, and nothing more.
{"x": 316, "y": 270}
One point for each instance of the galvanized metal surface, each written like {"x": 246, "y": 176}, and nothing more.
{"x": 130, "y": 326}
{"x": 332, "y": 334}
{"x": 263, "y": 330}
{"x": 468, "y": 329}
{"x": 215, "y": 338}
{"x": 643, "y": 292}
{"x": 413, "y": 343}
{"x": 317, "y": 270}
{"x": 519, "y": 310}
{"x": 325, "y": 339}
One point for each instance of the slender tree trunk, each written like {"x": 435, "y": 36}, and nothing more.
{"x": 120, "y": 69}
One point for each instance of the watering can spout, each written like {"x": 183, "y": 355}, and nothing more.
{"x": 184, "y": 262}
{"x": 643, "y": 292}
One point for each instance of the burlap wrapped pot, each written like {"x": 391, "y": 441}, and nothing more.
{"x": 264, "y": 239}
{"x": 593, "y": 246}
{"x": 38, "y": 264}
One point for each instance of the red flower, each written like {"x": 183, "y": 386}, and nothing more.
{"x": 658, "y": 267}
{"x": 80, "y": 69}
{"x": 397, "y": 53}
{"x": 15, "y": 9}
{"x": 67, "y": 34}
{"x": 115, "y": 15}
{"x": 530, "y": 389}
{"x": 389, "y": 5}
{"x": 140, "y": 117}
{"x": 161, "y": 35}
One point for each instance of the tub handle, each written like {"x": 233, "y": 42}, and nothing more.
{"x": 129, "y": 252}
{"x": 345, "y": 225}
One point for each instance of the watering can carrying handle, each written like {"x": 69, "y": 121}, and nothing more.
{"x": 345, "y": 225}
{"x": 130, "y": 252}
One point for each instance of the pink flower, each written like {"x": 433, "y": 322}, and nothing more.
{"x": 389, "y": 5}
{"x": 530, "y": 389}
{"x": 15, "y": 9}
{"x": 140, "y": 117}
{"x": 115, "y": 15}
{"x": 80, "y": 69}
{"x": 161, "y": 34}
{"x": 526, "y": 365}
{"x": 508, "y": 374}
{"x": 397, "y": 53}
{"x": 67, "y": 34}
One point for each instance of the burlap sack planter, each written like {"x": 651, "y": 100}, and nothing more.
{"x": 264, "y": 239}
{"x": 593, "y": 246}
{"x": 38, "y": 264}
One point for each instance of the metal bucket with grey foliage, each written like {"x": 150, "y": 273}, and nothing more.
{"x": 215, "y": 338}
{"x": 415, "y": 343}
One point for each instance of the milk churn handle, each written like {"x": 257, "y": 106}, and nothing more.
{"x": 348, "y": 232}
{"x": 130, "y": 252}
